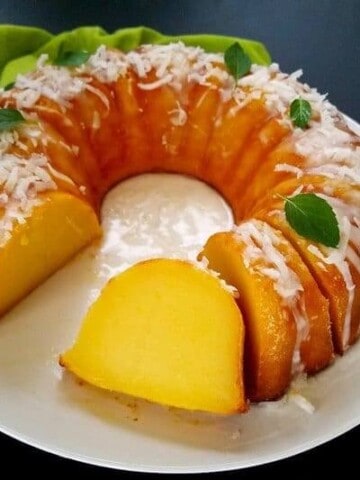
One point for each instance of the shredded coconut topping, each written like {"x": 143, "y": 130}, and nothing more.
{"x": 56, "y": 83}
{"x": 178, "y": 116}
{"x": 21, "y": 181}
{"x": 203, "y": 264}
{"x": 302, "y": 402}
{"x": 261, "y": 245}
{"x": 262, "y": 256}
{"x": 16, "y": 138}
{"x": 105, "y": 64}
{"x": 350, "y": 174}
{"x": 8, "y": 138}
{"x": 175, "y": 64}
{"x": 285, "y": 167}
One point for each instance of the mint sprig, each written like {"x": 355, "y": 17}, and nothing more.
{"x": 237, "y": 61}
{"x": 9, "y": 86}
{"x": 312, "y": 217}
{"x": 72, "y": 58}
{"x": 10, "y": 118}
{"x": 300, "y": 112}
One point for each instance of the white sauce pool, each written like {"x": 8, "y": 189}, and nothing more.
{"x": 158, "y": 215}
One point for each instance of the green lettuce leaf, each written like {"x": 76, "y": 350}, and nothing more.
{"x": 21, "y": 46}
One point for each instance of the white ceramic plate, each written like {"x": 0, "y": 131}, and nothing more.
{"x": 43, "y": 406}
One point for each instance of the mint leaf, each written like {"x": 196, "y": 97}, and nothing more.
{"x": 300, "y": 112}
{"x": 10, "y": 118}
{"x": 9, "y": 86}
{"x": 72, "y": 58}
{"x": 312, "y": 217}
{"x": 236, "y": 61}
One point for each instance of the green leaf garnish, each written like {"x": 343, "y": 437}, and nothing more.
{"x": 237, "y": 61}
{"x": 10, "y": 118}
{"x": 9, "y": 86}
{"x": 72, "y": 59}
{"x": 300, "y": 112}
{"x": 312, "y": 217}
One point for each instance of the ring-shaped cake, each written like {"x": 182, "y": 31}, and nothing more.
{"x": 173, "y": 108}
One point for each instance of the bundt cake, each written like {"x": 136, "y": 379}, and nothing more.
{"x": 281, "y": 155}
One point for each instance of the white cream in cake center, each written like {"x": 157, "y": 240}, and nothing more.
{"x": 158, "y": 215}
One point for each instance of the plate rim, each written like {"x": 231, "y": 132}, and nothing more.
{"x": 171, "y": 469}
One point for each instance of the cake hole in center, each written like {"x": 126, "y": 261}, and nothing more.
{"x": 158, "y": 215}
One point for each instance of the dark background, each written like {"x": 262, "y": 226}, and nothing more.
{"x": 320, "y": 36}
